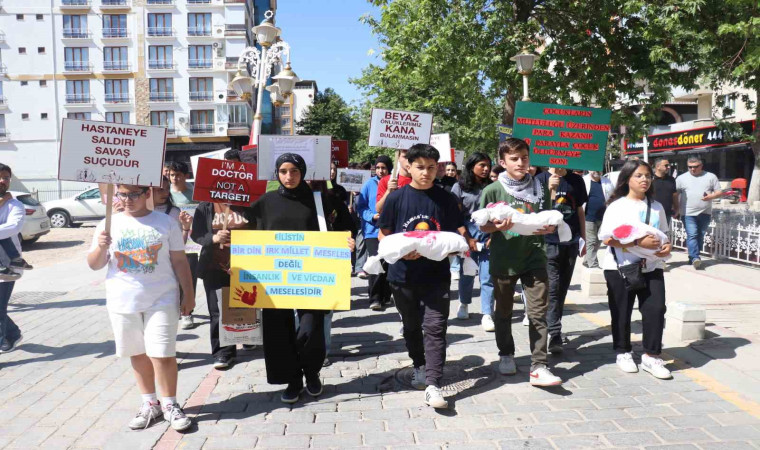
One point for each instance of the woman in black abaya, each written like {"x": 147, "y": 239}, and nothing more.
{"x": 292, "y": 353}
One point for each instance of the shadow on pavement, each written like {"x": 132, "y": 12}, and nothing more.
{"x": 20, "y": 307}
{"x": 51, "y": 245}
{"x": 101, "y": 349}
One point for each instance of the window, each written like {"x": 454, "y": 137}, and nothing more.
{"x": 41, "y": 50}
{"x": 201, "y": 89}
{"x": 43, "y": 83}
{"x": 117, "y": 117}
{"x": 24, "y": 83}
{"x": 199, "y": 24}
{"x": 78, "y": 91}
{"x": 163, "y": 119}
{"x": 160, "y": 57}
{"x": 114, "y": 25}
{"x": 160, "y": 25}
{"x": 76, "y": 59}
{"x": 202, "y": 122}
{"x": 75, "y": 26}
{"x": 115, "y": 58}
{"x": 729, "y": 102}
{"x": 238, "y": 116}
{"x": 199, "y": 56}
{"x": 40, "y": 17}
{"x": 117, "y": 91}
{"x": 79, "y": 115}
{"x": 19, "y": 17}
{"x": 161, "y": 90}
{"x": 43, "y": 116}
{"x": 22, "y": 50}
{"x": 3, "y": 131}
{"x": 24, "y": 116}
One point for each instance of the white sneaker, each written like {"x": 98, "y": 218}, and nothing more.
{"x": 507, "y": 365}
{"x": 655, "y": 366}
{"x": 176, "y": 417}
{"x": 463, "y": 314}
{"x": 147, "y": 413}
{"x": 186, "y": 322}
{"x": 526, "y": 322}
{"x": 542, "y": 376}
{"x": 487, "y": 323}
{"x": 454, "y": 276}
{"x": 626, "y": 363}
{"x": 418, "y": 378}
{"x": 434, "y": 397}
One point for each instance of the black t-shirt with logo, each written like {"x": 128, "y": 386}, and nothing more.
{"x": 571, "y": 194}
{"x": 410, "y": 209}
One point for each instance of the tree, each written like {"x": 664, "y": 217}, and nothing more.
{"x": 452, "y": 58}
{"x": 330, "y": 115}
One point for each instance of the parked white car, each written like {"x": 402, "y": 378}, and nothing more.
{"x": 36, "y": 222}
{"x": 81, "y": 207}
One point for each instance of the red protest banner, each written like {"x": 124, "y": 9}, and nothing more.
{"x": 340, "y": 153}
{"x": 231, "y": 182}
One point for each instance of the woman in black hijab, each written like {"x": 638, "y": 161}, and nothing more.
{"x": 292, "y": 353}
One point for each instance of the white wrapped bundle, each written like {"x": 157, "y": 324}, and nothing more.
{"x": 435, "y": 245}
{"x": 523, "y": 224}
{"x": 625, "y": 233}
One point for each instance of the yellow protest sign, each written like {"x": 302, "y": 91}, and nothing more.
{"x": 290, "y": 270}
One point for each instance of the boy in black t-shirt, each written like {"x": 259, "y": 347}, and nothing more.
{"x": 420, "y": 286}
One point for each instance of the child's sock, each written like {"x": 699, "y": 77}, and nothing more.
{"x": 152, "y": 398}
{"x": 166, "y": 401}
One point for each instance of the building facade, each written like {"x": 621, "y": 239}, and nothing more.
{"x": 290, "y": 113}
{"x": 149, "y": 62}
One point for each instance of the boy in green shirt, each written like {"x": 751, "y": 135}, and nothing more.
{"x": 519, "y": 258}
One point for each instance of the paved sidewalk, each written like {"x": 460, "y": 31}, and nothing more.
{"x": 64, "y": 388}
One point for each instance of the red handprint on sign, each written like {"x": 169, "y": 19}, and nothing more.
{"x": 249, "y": 298}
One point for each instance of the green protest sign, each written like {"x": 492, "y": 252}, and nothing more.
{"x": 571, "y": 137}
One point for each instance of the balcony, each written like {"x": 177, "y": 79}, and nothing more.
{"x": 115, "y": 66}
{"x": 198, "y": 31}
{"x": 78, "y": 99}
{"x": 77, "y": 67}
{"x": 202, "y": 128}
{"x": 115, "y": 4}
{"x": 4, "y": 134}
{"x": 202, "y": 96}
{"x": 234, "y": 29}
{"x": 160, "y": 4}
{"x": 2, "y": 37}
{"x": 75, "y": 4}
{"x": 3, "y": 102}
{"x": 163, "y": 97}
{"x": 3, "y": 69}
{"x": 161, "y": 64}
{"x": 199, "y": 63}
{"x": 115, "y": 33}
{"x": 118, "y": 98}
{"x": 198, "y": 2}
{"x": 76, "y": 33}
{"x": 161, "y": 32}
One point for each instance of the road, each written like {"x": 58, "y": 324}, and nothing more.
{"x": 61, "y": 244}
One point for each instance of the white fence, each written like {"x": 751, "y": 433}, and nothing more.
{"x": 728, "y": 237}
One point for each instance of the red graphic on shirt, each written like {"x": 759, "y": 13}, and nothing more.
{"x": 249, "y": 298}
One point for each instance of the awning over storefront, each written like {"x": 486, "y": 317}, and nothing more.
{"x": 696, "y": 140}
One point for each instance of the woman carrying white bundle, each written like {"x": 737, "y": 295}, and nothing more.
{"x": 628, "y": 276}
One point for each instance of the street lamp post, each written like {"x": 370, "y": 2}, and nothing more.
{"x": 273, "y": 52}
{"x": 524, "y": 63}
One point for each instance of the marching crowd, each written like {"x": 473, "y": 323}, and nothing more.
{"x": 161, "y": 241}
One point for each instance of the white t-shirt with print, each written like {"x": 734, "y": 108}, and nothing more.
{"x": 140, "y": 275}
{"x": 634, "y": 211}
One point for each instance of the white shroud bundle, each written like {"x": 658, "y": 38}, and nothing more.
{"x": 523, "y": 224}
{"x": 435, "y": 245}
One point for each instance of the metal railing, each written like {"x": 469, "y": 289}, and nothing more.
{"x": 732, "y": 235}
{"x": 117, "y": 98}
{"x": 78, "y": 98}
{"x": 202, "y": 128}
{"x": 199, "y": 31}
{"x": 160, "y": 2}
{"x": 161, "y": 31}
{"x": 115, "y": 33}
{"x": 238, "y": 125}
{"x": 3, "y": 100}
{"x": 199, "y": 96}
{"x": 75, "y": 2}
{"x": 4, "y": 134}
{"x": 3, "y": 68}
{"x": 115, "y": 65}
{"x": 77, "y": 66}
{"x": 115, "y": 3}
{"x": 163, "y": 97}
{"x": 199, "y": 63}
{"x": 2, "y": 35}
{"x": 76, "y": 33}
{"x": 198, "y": 2}
{"x": 46, "y": 196}
{"x": 161, "y": 64}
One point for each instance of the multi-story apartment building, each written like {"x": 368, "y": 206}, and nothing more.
{"x": 151, "y": 62}
{"x": 291, "y": 112}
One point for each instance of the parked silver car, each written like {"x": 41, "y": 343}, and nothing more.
{"x": 81, "y": 207}
{"x": 36, "y": 222}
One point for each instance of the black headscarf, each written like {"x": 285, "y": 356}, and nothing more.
{"x": 385, "y": 160}
{"x": 302, "y": 191}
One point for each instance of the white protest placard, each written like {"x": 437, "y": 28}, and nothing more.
{"x": 113, "y": 153}
{"x": 353, "y": 179}
{"x": 442, "y": 143}
{"x": 216, "y": 154}
{"x": 459, "y": 158}
{"x": 399, "y": 129}
{"x": 316, "y": 151}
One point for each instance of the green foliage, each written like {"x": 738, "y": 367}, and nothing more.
{"x": 330, "y": 115}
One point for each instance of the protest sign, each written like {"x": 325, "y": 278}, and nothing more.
{"x": 340, "y": 152}
{"x": 216, "y": 154}
{"x": 230, "y": 182}
{"x": 114, "y": 153}
{"x": 353, "y": 179}
{"x": 287, "y": 270}
{"x": 190, "y": 246}
{"x": 315, "y": 150}
{"x": 399, "y": 129}
{"x": 505, "y": 132}
{"x": 442, "y": 143}
{"x": 570, "y": 137}
{"x": 249, "y": 154}
{"x": 238, "y": 325}
{"x": 459, "y": 158}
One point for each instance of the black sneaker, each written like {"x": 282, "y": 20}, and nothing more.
{"x": 314, "y": 386}
{"x": 249, "y": 347}
{"x": 20, "y": 263}
{"x": 376, "y": 305}
{"x": 223, "y": 362}
{"x": 292, "y": 392}
{"x": 9, "y": 346}
{"x": 6, "y": 274}
{"x": 555, "y": 344}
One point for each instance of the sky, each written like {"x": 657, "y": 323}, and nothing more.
{"x": 328, "y": 43}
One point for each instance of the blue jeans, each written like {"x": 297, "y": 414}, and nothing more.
{"x": 696, "y": 227}
{"x": 486, "y": 284}
{"x": 8, "y": 328}
{"x": 455, "y": 265}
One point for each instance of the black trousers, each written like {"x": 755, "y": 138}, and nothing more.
{"x": 192, "y": 259}
{"x": 213, "y": 281}
{"x": 651, "y": 306}
{"x": 425, "y": 308}
{"x": 560, "y": 263}
{"x": 292, "y": 353}
{"x": 379, "y": 289}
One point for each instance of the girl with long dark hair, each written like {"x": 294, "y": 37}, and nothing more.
{"x": 475, "y": 177}
{"x": 632, "y": 201}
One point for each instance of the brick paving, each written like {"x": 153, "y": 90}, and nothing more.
{"x": 64, "y": 388}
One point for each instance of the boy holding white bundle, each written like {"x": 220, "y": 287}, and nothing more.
{"x": 519, "y": 258}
